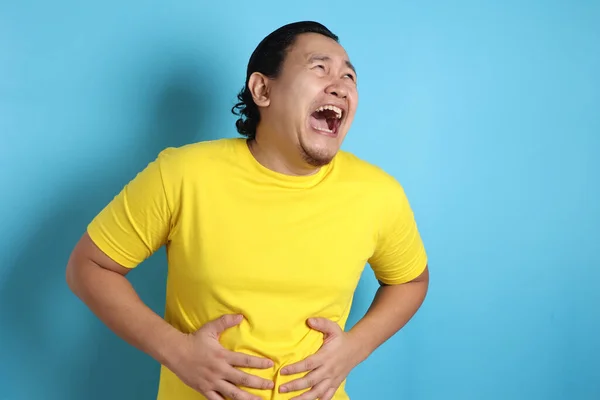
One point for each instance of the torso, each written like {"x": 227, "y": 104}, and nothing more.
{"x": 278, "y": 250}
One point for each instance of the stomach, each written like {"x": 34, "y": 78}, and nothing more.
{"x": 274, "y": 327}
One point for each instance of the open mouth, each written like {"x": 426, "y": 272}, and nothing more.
{"x": 327, "y": 119}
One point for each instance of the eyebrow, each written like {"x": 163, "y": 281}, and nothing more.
{"x": 319, "y": 57}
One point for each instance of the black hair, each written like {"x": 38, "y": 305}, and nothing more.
{"x": 267, "y": 59}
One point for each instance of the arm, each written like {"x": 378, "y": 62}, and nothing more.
{"x": 399, "y": 262}
{"x": 126, "y": 232}
{"x": 129, "y": 230}
{"x": 102, "y": 285}
{"x": 392, "y": 307}
{"x": 400, "y": 265}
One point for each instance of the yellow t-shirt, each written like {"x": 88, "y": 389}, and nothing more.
{"x": 279, "y": 249}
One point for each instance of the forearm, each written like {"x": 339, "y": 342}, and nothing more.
{"x": 392, "y": 307}
{"x": 112, "y": 298}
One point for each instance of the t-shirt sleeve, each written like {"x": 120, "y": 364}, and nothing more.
{"x": 399, "y": 255}
{"x": 137, "y": 222}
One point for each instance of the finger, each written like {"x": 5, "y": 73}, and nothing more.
{"x": 306, "y": 365}
{"x": 325, "y": 326}
{"x": 328, "y": 394}
{"x": 315, "y": 393}
{"x": 312, "y": 379}
{"x": 247, "y": 361}
{"x": 214, "y": 396}
{"x": 232, "y": 392}
{"x": 224, "y": 322}
{"x": 244, "y": 379}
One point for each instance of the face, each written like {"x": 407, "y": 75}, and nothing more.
{"x": 311, "y": 104}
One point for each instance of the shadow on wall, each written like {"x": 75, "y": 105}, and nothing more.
{"x": 56, "y": 342}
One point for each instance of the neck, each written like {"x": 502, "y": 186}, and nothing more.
{"x": 275, "y": 157}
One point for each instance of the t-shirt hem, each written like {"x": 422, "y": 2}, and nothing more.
{"x": 407, "y": 278}
{"x": 107, "y": 248}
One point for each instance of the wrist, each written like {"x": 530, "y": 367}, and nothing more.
{"x": 173, "y": 349}
{"x": 359, "y": 346}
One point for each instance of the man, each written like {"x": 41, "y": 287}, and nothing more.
{"x": 266, "y": 236}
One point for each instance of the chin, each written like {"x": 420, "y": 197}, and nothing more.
{"x": 318, "y": 154}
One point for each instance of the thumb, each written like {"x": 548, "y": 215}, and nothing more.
{"x": 223, "y": 323}
{"x": 328, "y": 327}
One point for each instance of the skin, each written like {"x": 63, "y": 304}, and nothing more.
{"x": 316, "y": 71}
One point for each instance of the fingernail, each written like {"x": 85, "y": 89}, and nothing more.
{"x": 283, "y": 389}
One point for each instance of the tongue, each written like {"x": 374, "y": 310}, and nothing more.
{"x": 319, "y": 122}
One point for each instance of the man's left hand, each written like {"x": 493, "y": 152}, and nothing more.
{"x": 327, "y": 368}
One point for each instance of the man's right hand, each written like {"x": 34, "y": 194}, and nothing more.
{"x": 209, "y": 368}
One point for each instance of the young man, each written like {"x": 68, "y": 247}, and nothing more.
{"x": 266, "y": 236}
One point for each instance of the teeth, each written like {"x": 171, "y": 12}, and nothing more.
{"x": 324, "y": 130}
{"x": 337, "y": 110}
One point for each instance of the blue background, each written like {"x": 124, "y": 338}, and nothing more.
{"x": 487, "y": 112}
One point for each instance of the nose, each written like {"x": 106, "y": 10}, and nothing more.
{"x": 337, "y": 90}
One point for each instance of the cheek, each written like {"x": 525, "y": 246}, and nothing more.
{"x": 353, "y": 96}
{"x": 309, "y": 85}
{"x": 353, "y": 90}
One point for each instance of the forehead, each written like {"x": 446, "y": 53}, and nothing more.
{"x": 307, "y": 45}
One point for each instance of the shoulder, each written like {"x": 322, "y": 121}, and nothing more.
{"x": 199, "y": 152}
{"x": 371, "y": 176}
{"x": 196, "y": 157}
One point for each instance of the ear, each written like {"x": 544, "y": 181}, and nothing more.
{"x": 259, "y": 87}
